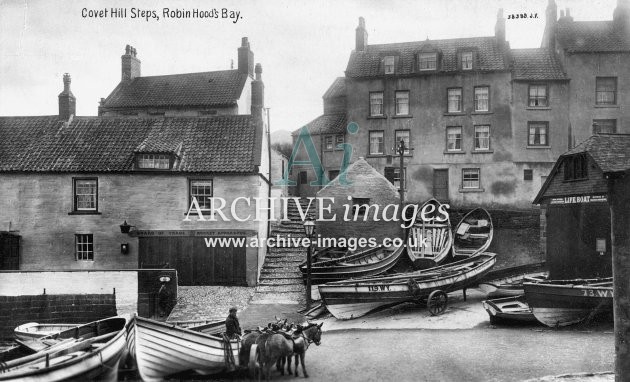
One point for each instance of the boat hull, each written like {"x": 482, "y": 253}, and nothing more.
{"x": 429, "y": 242}
{"x": 355, "y": 298}
{"x": 561, "y": 305}
{"x": 161, "y": 350}
{"x": 508, "y": 309}
{"x": 33, "y": 330}
{"x": 101, "y": 363}
{"x": 336, "y": 270}
{"x": 472, "y": 240}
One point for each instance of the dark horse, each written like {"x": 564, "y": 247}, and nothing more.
{"x": 302, "y": 338}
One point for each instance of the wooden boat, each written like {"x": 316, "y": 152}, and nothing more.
{"x": 429, "y": 239}
{"x": 86, "y": 352}
{"x": 368, "y": 262}
{"x": 507, "y": 309}
{"x": 356, "y": 297}
{"x": 473, "y": 234}
{"x": 34, "y": 330}
{"x": 565, "y": 302}
{"x": 510, "y": 286}
{"x": 162, "y": 349}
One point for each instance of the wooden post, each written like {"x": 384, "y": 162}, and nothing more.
{"x": 619, "y": 201}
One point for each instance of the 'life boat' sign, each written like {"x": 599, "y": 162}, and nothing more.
{"x": 582, "y": 199}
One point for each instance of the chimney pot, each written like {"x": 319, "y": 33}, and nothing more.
{"x": 130, "y": 64}
{"x": 245, "y": 58}
{"x": 562, "y": 13}
{"x": 258, "y": 72}
{"x": 67, "y": 101}
{"x": 568, "y": 12}
{"x": 361, "y": 36}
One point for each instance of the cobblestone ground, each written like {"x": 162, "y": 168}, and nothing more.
{"x": 208, "y": 302}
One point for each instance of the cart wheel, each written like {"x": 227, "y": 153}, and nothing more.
{"x": 437, "y": 302}
{"x": 254, "y": 367}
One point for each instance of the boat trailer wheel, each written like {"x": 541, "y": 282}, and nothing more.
{"x": 254, "y": 367}
{"x": 436, "y": 303}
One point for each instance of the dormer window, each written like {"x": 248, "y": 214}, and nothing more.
{"x": 467, "y": 60}
{"x": 154, "y": 161}
{"x": 575, "y": 167}
{"x": 427, "y": 61}
{"x": 388, "y": 64}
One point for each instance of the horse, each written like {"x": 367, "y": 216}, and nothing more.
{"x": 273, "y": 346}
{"x": 302, "y": 338}
{"x": 250, "y": 338}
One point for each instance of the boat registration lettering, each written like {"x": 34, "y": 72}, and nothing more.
{"x": 378, "y": 288}
{"x": 597, "y": 293}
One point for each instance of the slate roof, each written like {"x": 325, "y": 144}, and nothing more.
{"x": 591, "y": 36}
{"x": 336, "y": 89}
{"x": 107, "y": 144}
{"x": 536, "y": 64}
{"x": 367, "y": 63}
{"x": 218, "y": 88}
{"x": 326, "y": 124}
{"x": 611, "y": 152}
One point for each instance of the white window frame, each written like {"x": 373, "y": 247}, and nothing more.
{"x": 406, "y": 136}
{"x": 482, "y": 138}
{"x": 534, "y": 96}
{"x": 402, "y": 102}
{"x": 534, "y": 130}
{"x": 389, "y": 64}
{"x": 482, "y": 98}
{"x": 85, "y": 194}
{"x": 467, "y": 60}
{"x": 148, "y": 161}
{"x": 377, "y": 146}
{"x": 454, "y": 95}
{"x": 454, "y": 138}
{"x": 198, "y": 188}
{"x": 471, "y": 178}
{"x": 376, "y": 104}
{"x": 84, "y": 247}
{"x": 427, "y": 61}
{"x": 328, "y": 142}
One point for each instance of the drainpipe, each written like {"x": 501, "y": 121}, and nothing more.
{"x": 269, "y": 183}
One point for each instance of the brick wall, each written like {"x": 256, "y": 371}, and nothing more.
{"x": 69, "y": 283}
{"x": 66, "y": 308}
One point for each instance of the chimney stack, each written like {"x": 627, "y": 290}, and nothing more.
{"x": 621, "y": 16}
{"x": 258, "y": 94}
{"x": 499, "y": 28}
{"x": 130, "y": 64}
{"x": 67, "y": 101}
{"x": 551, "y": 18}
{"x": 361, "y": 35}
{"x": 245, "y": 58}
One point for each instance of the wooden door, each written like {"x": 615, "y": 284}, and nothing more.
{"x": 9, "y": 251}
{"x": 196, "y": 264}
{"x": 440, "y": 184}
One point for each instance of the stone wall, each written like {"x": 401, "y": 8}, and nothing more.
{"x": 66, "y": 308}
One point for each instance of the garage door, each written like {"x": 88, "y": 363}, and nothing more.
{"x": 196, "y": 264}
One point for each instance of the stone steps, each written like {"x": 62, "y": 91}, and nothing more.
{"x": 279, "y": 282}
{"x": 280, "y": 288}
{"x": 278, "y": 298}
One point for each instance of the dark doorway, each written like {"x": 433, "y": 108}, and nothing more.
{"x": 9, "y": 251}
{"x": 440, "y": 184}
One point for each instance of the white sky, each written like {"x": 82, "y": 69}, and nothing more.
{"x": 302, "y": 45}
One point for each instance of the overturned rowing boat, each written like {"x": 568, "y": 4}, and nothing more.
{"x": 567, "y": 302}
{"x": 356, "y": 297}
